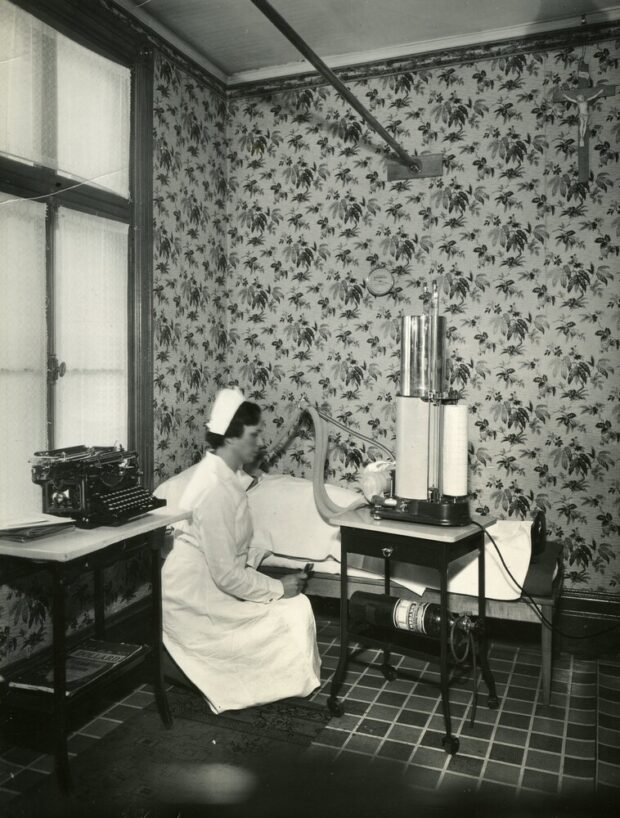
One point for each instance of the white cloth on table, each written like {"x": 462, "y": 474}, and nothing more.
{"x": 224, "y": 623}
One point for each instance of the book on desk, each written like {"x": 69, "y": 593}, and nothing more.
{"x": 87, "y": 661}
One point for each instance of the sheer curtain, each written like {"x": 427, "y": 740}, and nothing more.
{"x": 90, "y": 296}
{"x": 22, "y": 352}
{"x": 61, "y": 105}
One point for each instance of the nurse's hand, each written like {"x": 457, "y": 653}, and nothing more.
{"x": 293, "y": 583}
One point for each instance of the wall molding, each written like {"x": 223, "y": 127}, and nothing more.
{"x": 408, "y": 50}
{"x": 429, "y": 60}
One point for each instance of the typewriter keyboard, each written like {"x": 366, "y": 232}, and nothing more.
{"x": 117, "y": 507}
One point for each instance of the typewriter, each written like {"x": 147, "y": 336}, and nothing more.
{"x": 96, "y": 485}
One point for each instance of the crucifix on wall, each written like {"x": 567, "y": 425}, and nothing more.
{"x": 583, "y": 95}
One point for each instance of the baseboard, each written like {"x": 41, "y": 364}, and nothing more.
{"x": 588, "y": 624}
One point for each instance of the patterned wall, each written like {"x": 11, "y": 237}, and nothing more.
{"x": 191, "y": 297}
{"x": 525, "y": 256}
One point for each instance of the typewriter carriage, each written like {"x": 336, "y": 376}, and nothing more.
{"x": 97, "y": 485}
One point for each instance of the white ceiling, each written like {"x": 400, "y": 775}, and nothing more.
{"x": 237, "y": 43}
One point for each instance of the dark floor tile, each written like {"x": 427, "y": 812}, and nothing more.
{"x": 548, "y": 711}
{"x": 507, "y": 735}
{"x": 518, "y": 706}
{"x": 610, "y": 755}
{"x": 373, "y": 727}
{"x": 334, "y": 738}
{"x": 412, "y": 717}
{"x": 585, "y": 732}
{"x": 421, "y": 776}
{"x": 473, "y": 746}
{"x": 100, "y": 727}
{"x": 362, "y": 694}
{"x": 432, "y": 738}
{"x": 78, "y": 743}
{"x": 433, "y": 757}
{"x": 541, "y": 741}
{"x": 536, "y": 780}
{"x": 579, "y": 749}
{"x": 354, "y": 707}
{"x": 500, "y": 771}
{"x": 395, "y": 750}
{"x": 582, "y": 703}
{"x": 382, "y": 712}
{"x": 611, "y": 722}
{"x": 527, "y": 669}
{"x": 517, "y": 720}
{"x": 405, "y": 732}
{"x": 539, "y": 760}
{"x": 393, "y": 699}
{"x": 468, "y": 765}
{"x": 430, "y": 691}
{"x": 363, "y": 744}
{"x": 478, "y": 730}
{"x": 456, "y": 783}
{"x": 495, "y": 792}
{"x": 506, "y": 753}
{"x": 525, "y": 694}
{"x": 579, "y": 767}
{"x": 549, "y": 726}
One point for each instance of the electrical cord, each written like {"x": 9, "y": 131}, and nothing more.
{"x": 532, "y": 604}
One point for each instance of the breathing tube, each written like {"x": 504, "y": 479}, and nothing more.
{"x": 326, "y": 507}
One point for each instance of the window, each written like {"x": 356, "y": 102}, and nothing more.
{"x": 73, "y": 313}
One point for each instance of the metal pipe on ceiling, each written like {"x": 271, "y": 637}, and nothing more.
{"x": 413, "y": 164}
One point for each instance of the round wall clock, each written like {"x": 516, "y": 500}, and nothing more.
{"x": 379, "y": 281}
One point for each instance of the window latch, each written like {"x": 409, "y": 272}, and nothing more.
{"x": 55, "y": 370}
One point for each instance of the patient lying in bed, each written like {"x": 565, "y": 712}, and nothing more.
{"x": 287, "y": 523}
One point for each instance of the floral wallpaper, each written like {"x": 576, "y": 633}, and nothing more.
{"x": 525, "y": 257}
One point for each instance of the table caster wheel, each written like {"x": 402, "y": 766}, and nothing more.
{"x": 389, "y": 672}
{"x": 492, "y": 702}
{"x": 335, "y": 707}
{"x": 450, "y": 744}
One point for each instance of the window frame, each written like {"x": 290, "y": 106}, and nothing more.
{"x": 91, "y": 25}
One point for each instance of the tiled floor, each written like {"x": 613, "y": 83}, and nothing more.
{"x": 521, "y": 749}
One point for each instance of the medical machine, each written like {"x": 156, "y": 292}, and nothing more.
{"x": 430, "y": 480}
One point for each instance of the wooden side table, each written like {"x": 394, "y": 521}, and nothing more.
{"x": 425, "y": 545}
{"x": 65, "y": 556}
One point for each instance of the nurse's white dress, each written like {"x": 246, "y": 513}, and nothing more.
{"x": 225, "y": 624}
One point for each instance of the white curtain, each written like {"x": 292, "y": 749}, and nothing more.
{"x": 88, "y": 100}
{"x": 91, "y": 330}
{"x": 22, "y": 352}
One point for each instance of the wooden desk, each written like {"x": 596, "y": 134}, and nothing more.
{"x": 66, "y": 556}
{"x": 431, "y": 546}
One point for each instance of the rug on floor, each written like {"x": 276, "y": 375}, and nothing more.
{"x": 144, "y": 769}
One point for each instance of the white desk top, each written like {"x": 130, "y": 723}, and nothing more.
{"x": 78, "y": 542}
{"x": 362, "y": 518}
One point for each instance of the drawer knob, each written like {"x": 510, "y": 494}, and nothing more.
{"x": 387, "y": 552}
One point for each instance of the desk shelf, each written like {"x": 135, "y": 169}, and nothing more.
{"x": 31, "y": 698}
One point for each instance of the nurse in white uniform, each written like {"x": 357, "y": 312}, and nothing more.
{"x": 241, "y": 637}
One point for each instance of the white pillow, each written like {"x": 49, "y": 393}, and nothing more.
{"x": 287, "y": 522}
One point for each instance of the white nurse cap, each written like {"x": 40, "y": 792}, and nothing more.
{"x": 226, "y": 403}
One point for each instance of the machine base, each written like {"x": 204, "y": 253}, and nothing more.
{"x": 452, "y": 512}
